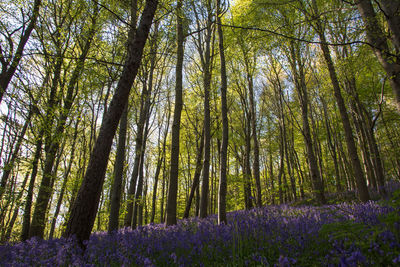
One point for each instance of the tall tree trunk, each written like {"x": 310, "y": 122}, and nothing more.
{"x": 39, "y": 215}
{"x": 64, "y": 184}
{"x": 351, "y": 146}
{"x": 158, "y": 170}
{"x": 156, "y": 178}
{"x": 138, "y": 201}
{"x": 116, "y": 188}
{"x": 196, "y": 177}
{"x": 84, "y": 209}
{"x": 176, "y": 125}
{"x": 16, "y": 210}
{"x": 222, "y": 189}
{"x": 207, "y": 120}
{"x": 256, "y": 160}
{"x": 332, "y": 146}
{"x": 247, "y": 167}
{"x": 144, "y": 106}
{"x": 26, "y": 222}
{"x": 301, "y": 88}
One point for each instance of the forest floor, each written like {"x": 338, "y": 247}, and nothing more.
{"x": 339, "y": 234}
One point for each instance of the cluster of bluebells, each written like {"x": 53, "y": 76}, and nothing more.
{"x": 269, "y": 236}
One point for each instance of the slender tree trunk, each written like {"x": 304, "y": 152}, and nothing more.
{"x": 116, "y": 188}
{"x": 297, "y": 67}
{"x": 156, "y": 178}
{"x": 163, "y": 192}
{"x": 26, "y": 222}
{"x": 351, "y": 146}
{"x": 145, "y": 103}
{"x": 176, "y": 125}
{"x": 64, "y": 184}
{"x": 138, "y": 201}
{"x": 16, "y": 209}
{"x": 85, "y": 206}
{"x": 196, "y": 177}
{"x": 246, "y": 165}
{"x": 207, "y": 122}
{"x": 332, "y": 147}
{"x": 256, "y": 161}
{"x": 222, "y": 189}
{"x": 39, "y": 215}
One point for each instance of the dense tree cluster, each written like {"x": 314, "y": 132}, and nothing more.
{"x": 122, "y": 113}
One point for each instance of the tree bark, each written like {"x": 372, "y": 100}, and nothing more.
{"x": 64, "y": 184}
{"x": 351, "y": 146}
{"x": 85, "y": 206}
{"x": 138, "y": 200}
{"x": 207, "y": 120}
{"x": 176, "y": 125}
{"x": 26, "y": 222}
{"x": 45, "y": 189}
{"x": 256, "y": 160}
{"x": 301, "y": 88}
{"x": 10, "y": 226}
{"x": 196, "y": 177}
{"x": 116, "y": 188}
{"x": 222, "y": 189}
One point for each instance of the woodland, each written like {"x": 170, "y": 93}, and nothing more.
{"x": 252, "y": 131}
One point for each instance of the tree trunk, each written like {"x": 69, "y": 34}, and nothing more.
{"x": 297, "y": 67}
{"x": 85, "y": 206}
{"x": 207, "y": 121}
{"x": 156, "y": 178}
{"x": 196, "y": 177}
{"x": 351, "y": 146}
{"x": 222, "y": 189}
{"x": 332, "y": 147}
{"x": 39, "y": 215}
{"x": 138, "y": 200}
{"x": 144, "y": 107}
{"x": 176, "y": 125}
{"x": 28, "y": 202}
{"x": 256, "y": 161}
{"x": 246, "y": 164}
{"x": 10, "y": 226}
{"x": 116, "y": 188}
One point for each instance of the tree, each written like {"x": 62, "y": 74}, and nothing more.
{"x": 225, "y": 127}
{"x": 351, "y": 146}
{"x": 85, "y": 206}
{"x": 205, "y": 57}
{"x": 45, "y": 189}
{"x": 176, "y": 124}
{"x": 118, "y": 173}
